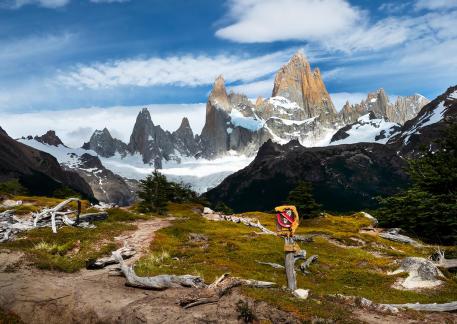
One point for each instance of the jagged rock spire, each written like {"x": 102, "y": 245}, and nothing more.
{"x": 218, "y": 95}
{"x": 296, "y": 82}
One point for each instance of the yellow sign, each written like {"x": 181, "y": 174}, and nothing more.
{"x": 287, "y": 220}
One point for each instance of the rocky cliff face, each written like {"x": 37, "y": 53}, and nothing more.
{"x": 300, "y": 108}
{"x": 214, "y": 137}
{"x": 38, "y": 171}
{"x": 296, "y": 82}
{"x": 106, "y": 186}
{"x": 105, "y": 145}
{"x": 404, "y": 108}
{"x": 185, "y": 141}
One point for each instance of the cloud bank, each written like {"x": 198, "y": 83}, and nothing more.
{"x": 75, "y": 126}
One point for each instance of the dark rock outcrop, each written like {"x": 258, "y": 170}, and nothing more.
{"x": 38, "y": 171}
{"x": 184, "y": 139}
{"x": 106, "y": 185}
{"x": 50, "y": 138}
{"x": 104, "y": 144}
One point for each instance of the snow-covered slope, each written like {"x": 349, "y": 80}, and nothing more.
{"x": 201, "y": 174}
{"x": 367, "y": 128}
{"x": 106, "y": 185}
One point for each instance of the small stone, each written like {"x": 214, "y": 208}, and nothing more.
{"x": 207, "y": 210}
{"x": 301, "y": 293}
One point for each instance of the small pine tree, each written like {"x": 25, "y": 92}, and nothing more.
{"x": 154, "y": 193}
{"x": 223, "y": 208}
{"x": 302, "y": 198}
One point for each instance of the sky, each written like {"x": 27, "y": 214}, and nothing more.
{"x": 105, "y": 59}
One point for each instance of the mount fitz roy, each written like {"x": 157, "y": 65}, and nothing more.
{"x": 299, "y": 109}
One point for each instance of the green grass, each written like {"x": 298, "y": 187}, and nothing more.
{"x": 235, "y": 248}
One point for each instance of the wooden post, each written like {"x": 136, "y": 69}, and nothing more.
{"x": 289, "y": 242}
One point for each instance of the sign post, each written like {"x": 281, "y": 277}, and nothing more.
{"x": 287, "y": 221}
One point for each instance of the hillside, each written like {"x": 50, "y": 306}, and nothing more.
{"x": 352, "y": 261}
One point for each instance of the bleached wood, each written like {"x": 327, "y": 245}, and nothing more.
{"x": 446, "y": 307}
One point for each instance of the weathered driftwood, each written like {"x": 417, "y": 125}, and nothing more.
{"x": 273, "y": 265}
{"x": 125, "y": 252}
{"x": 55, "y": 216}
{"x": 393, "y": 234}
{"x": 445, "y": 263}
{"x": 213, "y": 292}
{"x": 159, "y": 282}
{"x": 305, "y": 265}
{"x": 10, "y": 225}
{"x": 394, "y": 308}
{"x": 213, "y": 216}
{"x": 203, "y": 295}
{"x": 446, "y": 307}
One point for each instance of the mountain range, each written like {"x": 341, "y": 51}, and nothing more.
{"x": 345, "y": 177}
{"x": 300, "y": 110}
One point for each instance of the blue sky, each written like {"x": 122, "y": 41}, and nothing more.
{"x": 68, "y": 54}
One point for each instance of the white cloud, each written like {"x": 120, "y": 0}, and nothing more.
{"x": 255, "y": 89}
{"x": 340, "y": 98}
{"x": 185, "y": 70}
{"x": 436, "y": 4}
{"x": 272, "y": 20}
{"x": 52, "y": 4}
{"x": 14, "y": 51}
{"x": 331, "y": 24}
{"x": 74, "y": 126}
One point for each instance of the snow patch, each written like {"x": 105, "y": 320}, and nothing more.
{"x": 249, "y": 123}
{"x": 366, "y": 130}
{"x": 429, "y": 118}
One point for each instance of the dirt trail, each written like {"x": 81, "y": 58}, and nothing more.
{"x": 92, "y": 296}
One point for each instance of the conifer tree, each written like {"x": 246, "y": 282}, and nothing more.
{"x": 302, "y": 198}
{"x": 428, "y": 208}
{"x": 154, "y": 192}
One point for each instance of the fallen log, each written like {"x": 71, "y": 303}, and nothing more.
{"x": 446, "y": 307}
{"x": 126, "y": 252}
{"x": 273, "y": 265}
{"x": 305, "y": 265}
{"x": 393, "y": 234}
{"x": 159, "y": 282}
{"x": 203, "y": 294}
{"x": 214, "y": 292}
{"x": 55, "y": 216}
{"x": 235, "y": 219}
{"x": 445, "y": 263}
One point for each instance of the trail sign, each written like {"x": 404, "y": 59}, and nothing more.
{"x": 287, "y": 220}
